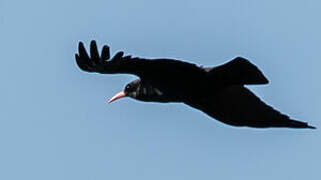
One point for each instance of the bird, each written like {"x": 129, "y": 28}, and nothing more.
{"x": 219, "y": 91}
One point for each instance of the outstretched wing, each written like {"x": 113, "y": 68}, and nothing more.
{"x": 101, "y": 63}
{"x": 237, "y": 72}
{"x": 236, "y": 105}
{"x": 144, "y": 68}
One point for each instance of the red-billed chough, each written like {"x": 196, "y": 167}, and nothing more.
{"x": 218, "y": 91}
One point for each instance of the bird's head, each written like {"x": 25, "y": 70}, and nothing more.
{"x": 140, "y": 91}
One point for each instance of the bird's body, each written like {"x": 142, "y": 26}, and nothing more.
{"x": 218, "y": 91}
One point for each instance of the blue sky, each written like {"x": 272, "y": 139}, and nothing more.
{"x": 56, "y": 124}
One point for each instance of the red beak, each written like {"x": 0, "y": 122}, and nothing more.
{"x": 117, "y": 96}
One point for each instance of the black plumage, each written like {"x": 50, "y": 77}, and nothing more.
{"x": 218, "y": 91}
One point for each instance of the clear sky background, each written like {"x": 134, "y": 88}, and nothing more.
{"x": 55, "y": 123}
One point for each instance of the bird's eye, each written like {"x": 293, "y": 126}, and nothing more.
{"x": 128, "y": 87}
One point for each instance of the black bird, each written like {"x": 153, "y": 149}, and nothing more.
{"x": 218, "y": 91}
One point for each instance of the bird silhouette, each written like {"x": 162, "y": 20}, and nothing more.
{"x": 218, "y": 91}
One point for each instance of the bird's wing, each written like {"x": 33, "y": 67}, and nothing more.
{"x": 236, "y": 105}
{"x": 238, "y": 71}
{"x": 144, "y": 68}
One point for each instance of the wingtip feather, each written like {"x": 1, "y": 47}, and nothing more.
{"x": 311, "y": 127}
